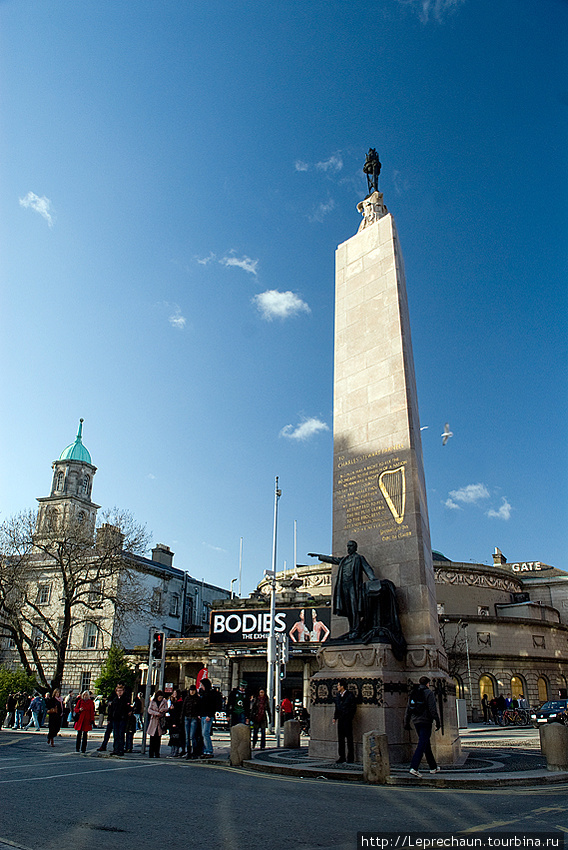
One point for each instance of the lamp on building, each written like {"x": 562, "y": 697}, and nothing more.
{"x": 271, "y": 646}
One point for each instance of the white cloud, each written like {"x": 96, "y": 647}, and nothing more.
{"x": 204, "y": 260}
{"x": 40, "y": 205}
{"x": 300, "y": 165}
{"x": 151, "y": 477}
{"x": 504, "y": 512}
{"x": 214, "y": 548}
{"x": 333, "y": 164}
{"x": 279, "y": 305}
{"x": 177, "y": 320}
{"x": 449, "y": 503}
{"x": 322, "y": 210}
{"x": 436, "y": 9}
{"x": 470, "y": 494}
{"x": 245, "y": 263}
{"x": 304, "y": 430}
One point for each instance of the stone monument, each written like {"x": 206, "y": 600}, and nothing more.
{"x": 379, "y": 501}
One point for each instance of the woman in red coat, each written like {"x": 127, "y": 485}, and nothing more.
{"x": 85, "y": 708}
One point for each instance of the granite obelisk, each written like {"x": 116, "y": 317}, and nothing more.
{"x": 379, "y": 493}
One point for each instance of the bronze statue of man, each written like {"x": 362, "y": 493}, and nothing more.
{"x": 372, "y": 169}
{"x": 348, "y": 594}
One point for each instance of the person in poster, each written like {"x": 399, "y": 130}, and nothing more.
{"x": 320, "y": 631}
{"x": 300, "y": 629}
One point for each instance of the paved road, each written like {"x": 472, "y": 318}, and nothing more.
{"x": 54, "y": 799}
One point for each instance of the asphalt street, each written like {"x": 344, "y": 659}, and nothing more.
{"x": 57, "y": 800}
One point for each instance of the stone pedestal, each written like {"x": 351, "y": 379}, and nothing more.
{"x": 380, "y": 685}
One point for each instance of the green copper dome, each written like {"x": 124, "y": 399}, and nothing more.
{"x": 77, "y": 451}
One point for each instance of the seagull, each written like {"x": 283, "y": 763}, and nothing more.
{"x": 447, "y": 434}
{"x": 424, "y": 428}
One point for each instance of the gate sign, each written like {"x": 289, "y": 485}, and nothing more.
{"x": 302, "y": 625}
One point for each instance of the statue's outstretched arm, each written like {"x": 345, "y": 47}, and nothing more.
{"x": 367, "y": 568}
{"x": 327, "y": 559}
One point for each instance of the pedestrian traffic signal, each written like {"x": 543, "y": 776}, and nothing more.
{"x": 158, "y": 645}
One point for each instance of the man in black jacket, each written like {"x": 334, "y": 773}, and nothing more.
{"x": 345, "y": 708}
{"x": 421, "y": 709}
{"x": 121, "y": 709}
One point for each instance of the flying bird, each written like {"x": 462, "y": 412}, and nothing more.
{"x": 424, "y": 428}
{"x": 447, "y": 434}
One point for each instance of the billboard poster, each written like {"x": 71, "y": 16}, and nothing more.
{"x": 301, "y": 625}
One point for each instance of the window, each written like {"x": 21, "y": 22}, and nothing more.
{"x": 52, "y": 519}
{"x": 482, "y": 611}
{"x": 59, "y": 481}
{"x": 486, "y": 687}
{"x": 85, "y": 485}
{"x": 174, "y": 607}
{"x": 542, "y": 686}
{"x": 43, "y": 594}
{"x": 517, "y": 687}
{"x": 37, "y": 637}
{"x": 81, "y": 517}
{"x": 459, "y": 687}
{"x": 90, "y": 636}
{"x": 95, "y": 595}
{"x": 85, "y": 681}
{"x": 156, "y": 604}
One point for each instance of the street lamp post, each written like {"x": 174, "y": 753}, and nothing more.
{"x": 464, "y": 627}
{"x": 271, "y": 646}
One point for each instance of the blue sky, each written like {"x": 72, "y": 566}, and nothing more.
{"x": 176, "y": 177}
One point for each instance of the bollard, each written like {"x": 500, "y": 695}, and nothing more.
{"x": 376, "y": 763}
{"x": 240, "y": 744}
{"x": 292, "y": 729}
{"x": 554, "y": 745}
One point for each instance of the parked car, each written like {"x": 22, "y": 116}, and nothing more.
{"x": 553, "y": 711}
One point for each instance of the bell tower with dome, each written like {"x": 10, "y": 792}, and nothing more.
{"x": 70, "y": 498}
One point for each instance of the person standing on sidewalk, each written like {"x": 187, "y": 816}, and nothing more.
{"x": 345, "y": 708}
{"x": 421, "y": 709}
{"x": 121, "y": 709}
{"x": 85, "y": 713}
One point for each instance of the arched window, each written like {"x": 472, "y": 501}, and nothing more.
{"x": 542, "y": 686}
{"x": 459, "y": 687}
{"x": 59, "y": 481}
{"x": 486, "y": 687}
{"x": 518, "y": 687}
{"x": 86, "y": 481}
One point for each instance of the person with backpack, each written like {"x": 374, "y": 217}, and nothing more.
{"x": 421, "y": 709}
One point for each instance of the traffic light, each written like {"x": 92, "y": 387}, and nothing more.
{"x": 158, "y": 645}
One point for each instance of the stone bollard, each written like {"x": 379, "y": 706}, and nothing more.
{"x": 554, "y": 745}
{"x": 376, "y": 763}
{"x": 292, "y": 729}
{"x": 240, "y": 744}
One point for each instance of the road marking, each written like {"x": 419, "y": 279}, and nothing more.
{"x": 76, "y": 773}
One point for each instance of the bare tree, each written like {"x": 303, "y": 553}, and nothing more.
{"x": 58, "y": 577}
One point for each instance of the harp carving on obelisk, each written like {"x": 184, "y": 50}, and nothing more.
{"x": 392, "y": 484}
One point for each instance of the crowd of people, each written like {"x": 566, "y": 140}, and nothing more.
{"x": 185, "y": 717}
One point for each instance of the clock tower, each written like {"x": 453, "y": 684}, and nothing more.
{"x": 70, "y": 499}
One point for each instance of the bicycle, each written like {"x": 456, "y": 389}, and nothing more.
{"x": 516, "y": 717}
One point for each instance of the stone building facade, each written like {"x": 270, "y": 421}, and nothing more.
{"x": 177, "y": 603}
